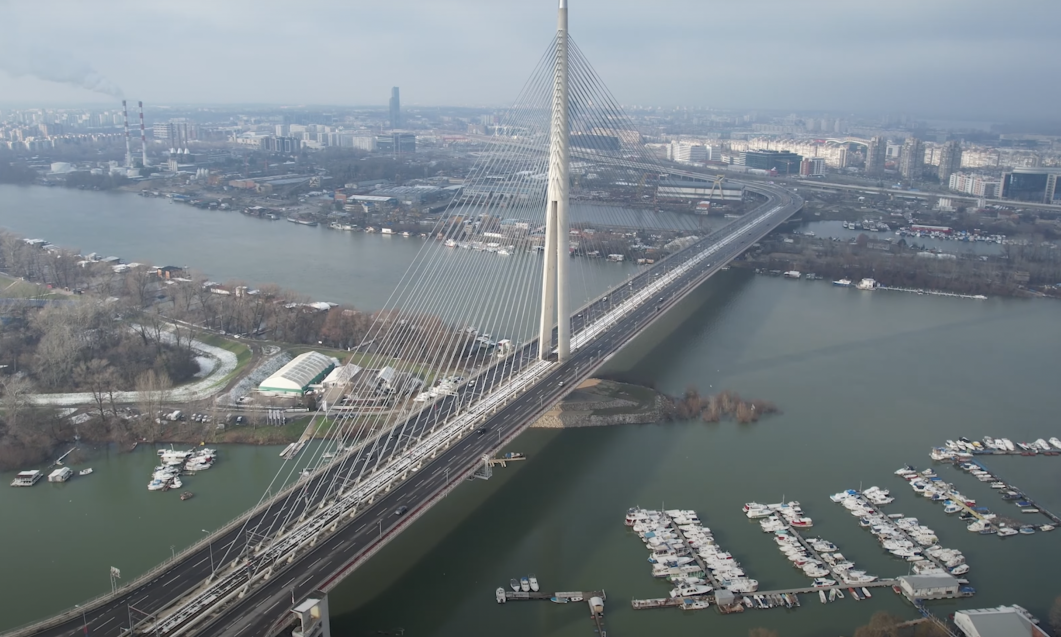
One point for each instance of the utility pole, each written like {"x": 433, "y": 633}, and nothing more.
{"x": 554, "y": 271}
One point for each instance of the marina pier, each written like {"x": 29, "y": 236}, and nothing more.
{"x": 594, "y": 599}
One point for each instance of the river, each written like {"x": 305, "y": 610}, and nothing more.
{"x": 866, "y": 381}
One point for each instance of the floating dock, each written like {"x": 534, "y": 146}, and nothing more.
{"x": 594, "y": 599}
{"x": 1009, "y": 486}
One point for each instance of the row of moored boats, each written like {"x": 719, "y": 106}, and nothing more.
{"x": 903, "y": 537}
{"x": 175, "y": 463}
{"x": 680, "y": 548}
{"x": 816, "y": 557}
{"x": 964, "y": 447}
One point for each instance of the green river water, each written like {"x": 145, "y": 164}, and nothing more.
{"x": 867, "y": 382}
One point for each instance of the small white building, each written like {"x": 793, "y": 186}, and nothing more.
{"x": 340, "y": 376}
{"x": 1004, "y": 621}
{"x": 929, "y": 586}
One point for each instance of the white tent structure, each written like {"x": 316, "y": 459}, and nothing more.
{"x": 296, "y": 376}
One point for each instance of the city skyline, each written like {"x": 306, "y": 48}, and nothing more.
{"x": 857, "y": 59}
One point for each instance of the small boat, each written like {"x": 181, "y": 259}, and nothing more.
{"x": 865, "y": 591}
{"x": 524, "y": 584}
{"x": 839, "y": 593}
{"x": 844, "y": 283}
{"x": 1027, "y": 530}
{"x": 500, "y": 594}
{"x": 558, "y": 600}
{"x": 1029, "y": 510}
{"x": 85, "y": 472}
{"x": 514, "y": 583}
{"x": 176, "y": 483}
{"x": 821, "y": 596}
{"x": 187, "y": 495}
{"x": 1047, "y": 527}
{"x": 832, "y": 594}
{"x": 854, "y": 594}
{"x": 534, "y": 583}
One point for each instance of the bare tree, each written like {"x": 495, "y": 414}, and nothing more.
{"x": 95, "y": 375}
{"x": 152, "y": 392}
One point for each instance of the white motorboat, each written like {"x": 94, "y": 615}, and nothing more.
{"x": 85, "y": 472}
{"x": 514, "y": 583}
{"x": 844, "y": 283}
{"x": 960, "y": 569}
{"x": 155, "y": 485}
{"x": 176, "y": 483}
{"x": 533, "y": 583}
{"x": 1056, "y": 443}
{"x": 524, "y": 584}
{"x": 821, "y": 596}
{"x": 1005, "y": 531}
{"x": 690, "y": 591}
{"x": 823, "y": 581}
{"x": 500, "y": 595}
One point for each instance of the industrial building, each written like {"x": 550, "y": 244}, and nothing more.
{"x": 1004, "y": 621}
{"x": 929, "y": 586}
{"x": 699, "y": 190}
{"x": 295, "y": 378}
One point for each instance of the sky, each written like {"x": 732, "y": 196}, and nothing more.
{"x": 956, "y": 59}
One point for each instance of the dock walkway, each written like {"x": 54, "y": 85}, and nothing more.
{"x": 1049, "y": 514}
{"x": 670, "y": 602}
{"x": 901, "y": 530}
{"x": 699, "y": 560}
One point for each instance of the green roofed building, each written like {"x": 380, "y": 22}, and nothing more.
{"x": 294, "y": 378}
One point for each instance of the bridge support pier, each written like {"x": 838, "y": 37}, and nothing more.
{"x": 312, "y": 616}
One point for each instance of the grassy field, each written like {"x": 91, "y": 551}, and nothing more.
{"x": 13, "y": 288}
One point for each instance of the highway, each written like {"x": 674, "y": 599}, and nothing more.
{"x": 600, "y": 329}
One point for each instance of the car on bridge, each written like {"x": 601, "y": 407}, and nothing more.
{"x": 401, "y": 510}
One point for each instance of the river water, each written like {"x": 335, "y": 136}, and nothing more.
{"x": 867, "y": 382}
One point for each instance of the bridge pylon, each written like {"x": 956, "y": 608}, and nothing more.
{"x": 557, "y": 242}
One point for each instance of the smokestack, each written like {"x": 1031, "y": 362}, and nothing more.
{"x": 128, "y": 149}
{"x": 143, "y": 136}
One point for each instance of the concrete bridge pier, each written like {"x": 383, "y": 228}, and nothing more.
{"x": 311, "y": 616}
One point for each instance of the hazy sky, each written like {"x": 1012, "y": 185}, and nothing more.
{"x": 962, "y": 59}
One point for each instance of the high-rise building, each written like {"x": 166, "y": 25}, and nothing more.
{"x": 875, "y": 156}
{"x": 396, "y": 109}
{"x": 950, "y": 160}
{"x": 912, "y": 160}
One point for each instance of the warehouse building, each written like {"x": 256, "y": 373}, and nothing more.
{"x": 929, "y": 586}
{"x": 1004, "y": 621}
{"x": 295, "y": 378}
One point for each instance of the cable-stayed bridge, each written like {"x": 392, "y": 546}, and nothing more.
{"x": 513, "y": 261}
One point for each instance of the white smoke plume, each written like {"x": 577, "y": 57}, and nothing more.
{"x": 48, "y": 63}
{"x": 56, "y": 66}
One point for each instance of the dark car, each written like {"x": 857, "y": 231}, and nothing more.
{"x": 401, "y": 510}
{"x": 481, "y": 431}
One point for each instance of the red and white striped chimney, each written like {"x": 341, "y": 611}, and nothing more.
{"x": 128, "y": 149}
{"x": 143, "y": 136}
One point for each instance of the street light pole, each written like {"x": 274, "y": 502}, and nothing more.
{"x": 84, "y": 618}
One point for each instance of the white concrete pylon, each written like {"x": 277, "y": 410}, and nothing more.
{"x": 557, "y": 241}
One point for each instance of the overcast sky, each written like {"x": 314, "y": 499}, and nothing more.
{"x": 961, "y": 59}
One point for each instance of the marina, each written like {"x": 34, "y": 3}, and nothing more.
{"x": 176, "y": 463}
